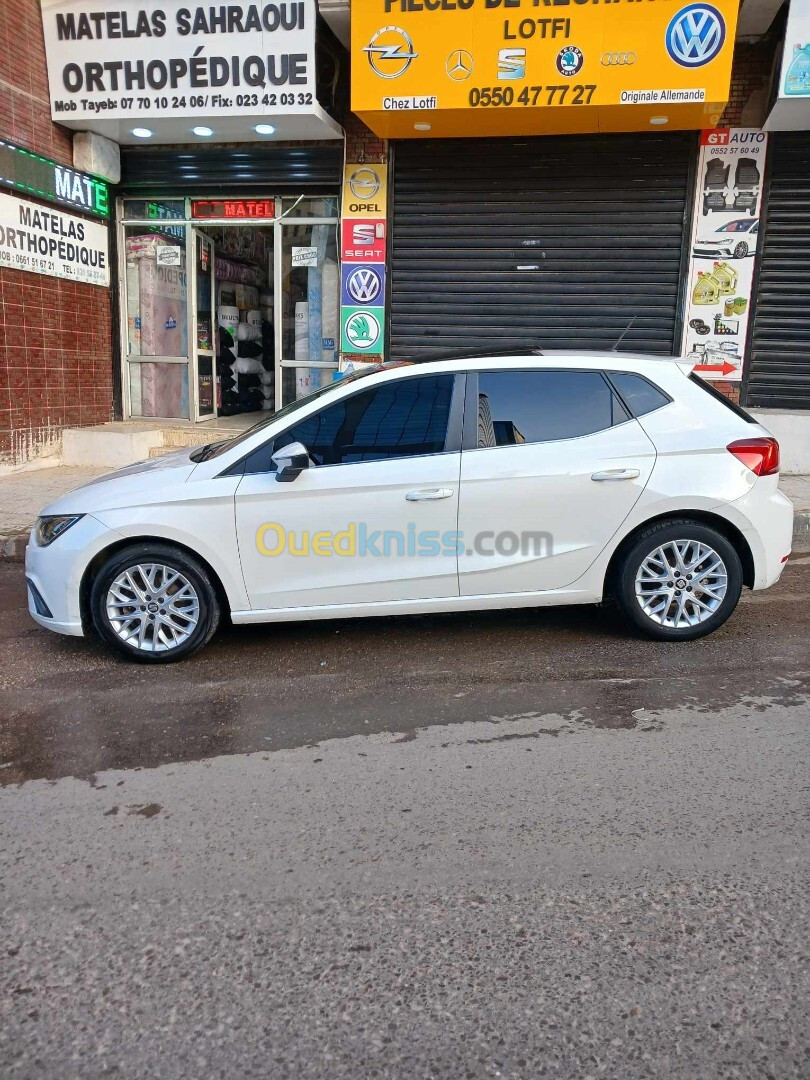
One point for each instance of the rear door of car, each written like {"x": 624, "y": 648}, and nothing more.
{"x": 552, "y": 463}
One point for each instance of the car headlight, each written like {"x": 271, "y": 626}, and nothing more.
{"x": 48, "y": 528}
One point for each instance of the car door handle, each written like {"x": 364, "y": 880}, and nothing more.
{"x": 429, "y": 495}
{"x": 616, "y": 474}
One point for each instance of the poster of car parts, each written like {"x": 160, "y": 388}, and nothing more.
{"x": 725, "y": 227}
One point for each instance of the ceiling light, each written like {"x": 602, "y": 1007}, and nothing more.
{"x": 264, "y": 129}
{"x": 142, "y": 133}
{"x": 659, "y": 120}
{"x": 203, "y": 131}
{"x": 422, "y": 127}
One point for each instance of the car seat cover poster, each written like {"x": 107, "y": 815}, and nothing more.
{"x": 723, "y": 251}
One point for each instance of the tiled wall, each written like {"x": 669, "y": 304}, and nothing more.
{"x": 55, "y": 341}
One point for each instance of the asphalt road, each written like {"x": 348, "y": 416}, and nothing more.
{"x": 516, "y": 845}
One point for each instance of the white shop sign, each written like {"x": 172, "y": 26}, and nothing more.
{"x": 722, "y": 264}
{"x": 139, "y": 60}
{"x": 42, "y": 240}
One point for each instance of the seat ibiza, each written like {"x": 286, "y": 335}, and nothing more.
{"x": 455, "y": 485}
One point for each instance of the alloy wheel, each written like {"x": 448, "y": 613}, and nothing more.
{"x": 681, "y": 584}
{"x": 152, "y": 607}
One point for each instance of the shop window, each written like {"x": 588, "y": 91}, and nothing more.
{"x": 542, "y": 406}
{"x": 405, "y": 418}
{"x": 159, "y": 389}
{"x": 310, "y": 207}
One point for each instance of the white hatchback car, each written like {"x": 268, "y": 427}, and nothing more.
{"x": 456, "y": 485}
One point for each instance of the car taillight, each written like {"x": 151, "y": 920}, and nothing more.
{"x": 761, "y": 456}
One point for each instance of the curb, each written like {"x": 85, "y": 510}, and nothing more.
{"x": 13, "y": 547}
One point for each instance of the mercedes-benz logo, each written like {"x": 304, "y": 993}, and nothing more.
{"x": 390, "y": 52}
{"x": 364, "y": 183}
{"x": 459, "y": 65}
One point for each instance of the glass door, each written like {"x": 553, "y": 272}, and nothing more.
{"x": 307, "y": 299}
{"x": 156, "y": 336}
{"x": 203, "y": 326}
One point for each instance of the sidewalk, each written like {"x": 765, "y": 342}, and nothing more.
{"x": 22, "y": 496}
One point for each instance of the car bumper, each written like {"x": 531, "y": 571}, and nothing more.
{"x": 766, "y": 520}
{"x": 54, "y": 575}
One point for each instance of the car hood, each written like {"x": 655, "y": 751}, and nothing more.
{"x": 146, "y": 481}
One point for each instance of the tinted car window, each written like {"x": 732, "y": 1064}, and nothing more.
{"x": 638, "y": 394}
{"x": 398, "y": 419}
{"x": 541, "y": 406}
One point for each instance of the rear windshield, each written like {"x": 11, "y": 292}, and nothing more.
{"x": 729, "y": 404}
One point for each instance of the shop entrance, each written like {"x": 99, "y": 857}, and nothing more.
{"x": 229, "y": 306}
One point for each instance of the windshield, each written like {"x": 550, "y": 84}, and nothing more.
{"x": 736, "y": 226}
{"x": 214, "y": 449}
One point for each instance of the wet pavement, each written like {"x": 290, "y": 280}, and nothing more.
{"x": 513, "y": 845}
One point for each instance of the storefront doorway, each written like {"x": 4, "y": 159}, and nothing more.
{"x": 229, "y": 306}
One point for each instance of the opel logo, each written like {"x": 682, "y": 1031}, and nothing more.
{"x": 364, "y": 285}
{"x": 390, "y": 52}
{"x": 364, "y": 183}
{"x": 459, "y": 65}
{"x": 695, "y": 35}
{"x": 618, "y": 59}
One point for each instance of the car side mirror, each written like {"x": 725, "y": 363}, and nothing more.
{"x": 290, "y": 461}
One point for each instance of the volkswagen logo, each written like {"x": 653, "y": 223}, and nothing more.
{"x": 459, "y": 65}
{"x": 390, "y": 52}
{"x": 618, "y": 59}
{"x": 364, "y": 183}
{"x": 364, "y": 285}
{"x": 695, "y": 35}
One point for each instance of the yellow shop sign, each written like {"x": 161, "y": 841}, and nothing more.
{"x": 441, "y": 68}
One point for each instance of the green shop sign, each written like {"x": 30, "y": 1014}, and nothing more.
{"x": 25, "y": 171}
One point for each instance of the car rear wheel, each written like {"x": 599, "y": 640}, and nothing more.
{"x": 680, "y": 580}
{"x": 154, "y": 603}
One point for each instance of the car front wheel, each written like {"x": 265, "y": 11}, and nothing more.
{"x": 680, "y": 580}
{"x": 741, "y": 250}
{"x": 154, "y": 603}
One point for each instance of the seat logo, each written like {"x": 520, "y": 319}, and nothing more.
{"x": 364, "y": 285}
{"x": 512, "y": 64}
{"x": 390, "y": 52}
{"x": 364, "y": 183}
{"x": 695, "y": 35}
{"x": 459, "y": 65}
{"x": 363, "y": 234}
{"x": 618, "y": 59}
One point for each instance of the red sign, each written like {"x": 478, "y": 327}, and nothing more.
{"x": 233, "y": 209}
{"x": 363, "y": 240}
{"x": 714, "y": 137}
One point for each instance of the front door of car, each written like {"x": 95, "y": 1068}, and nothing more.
{"x": 552, "y": 465}
{"x": 373, "y": 518}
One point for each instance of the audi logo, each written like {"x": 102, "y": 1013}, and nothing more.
{"x": 618, "y": 59}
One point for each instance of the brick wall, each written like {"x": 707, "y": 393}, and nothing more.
{"x": 55, "y": 336}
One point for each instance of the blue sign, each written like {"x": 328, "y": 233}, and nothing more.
{"x": 363, "y": 284}
{"x": 695, "y": 35}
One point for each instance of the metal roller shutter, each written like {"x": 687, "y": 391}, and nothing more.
{"x": 779, "y": 366}
{"x": 555, "y": 242}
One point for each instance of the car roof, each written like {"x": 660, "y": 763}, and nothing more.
{"x": 565, "y": 358}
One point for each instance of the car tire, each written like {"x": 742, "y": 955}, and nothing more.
{"x": 646, "y": 585}
{"x": 741, "y": 250}
{"x": 169, "y": 617}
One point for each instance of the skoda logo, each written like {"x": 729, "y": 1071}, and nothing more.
{"x": 618, "y": 59}
{"x": 364, "y": 184}
{"x": 459, "y": 65}
{"x": 364, "y": 285}
{"x": 390, "y": 52}
{"x": 362, "y": 330}
{"x": 695, "y": 35}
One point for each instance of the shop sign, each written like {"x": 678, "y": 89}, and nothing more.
{"x": 725, "y": 231}
{"x": 135, "y": 60}
{"x": 365, "y": 205}
{"x": 791, "y": 110}
{"x": 236, "y": 209}
{"x": 515, "y": 67}
{"x": 23, "y": 170}
{"x": 41, "y": 240}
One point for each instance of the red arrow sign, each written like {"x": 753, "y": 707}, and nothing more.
{"x": 725, "y": 368}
